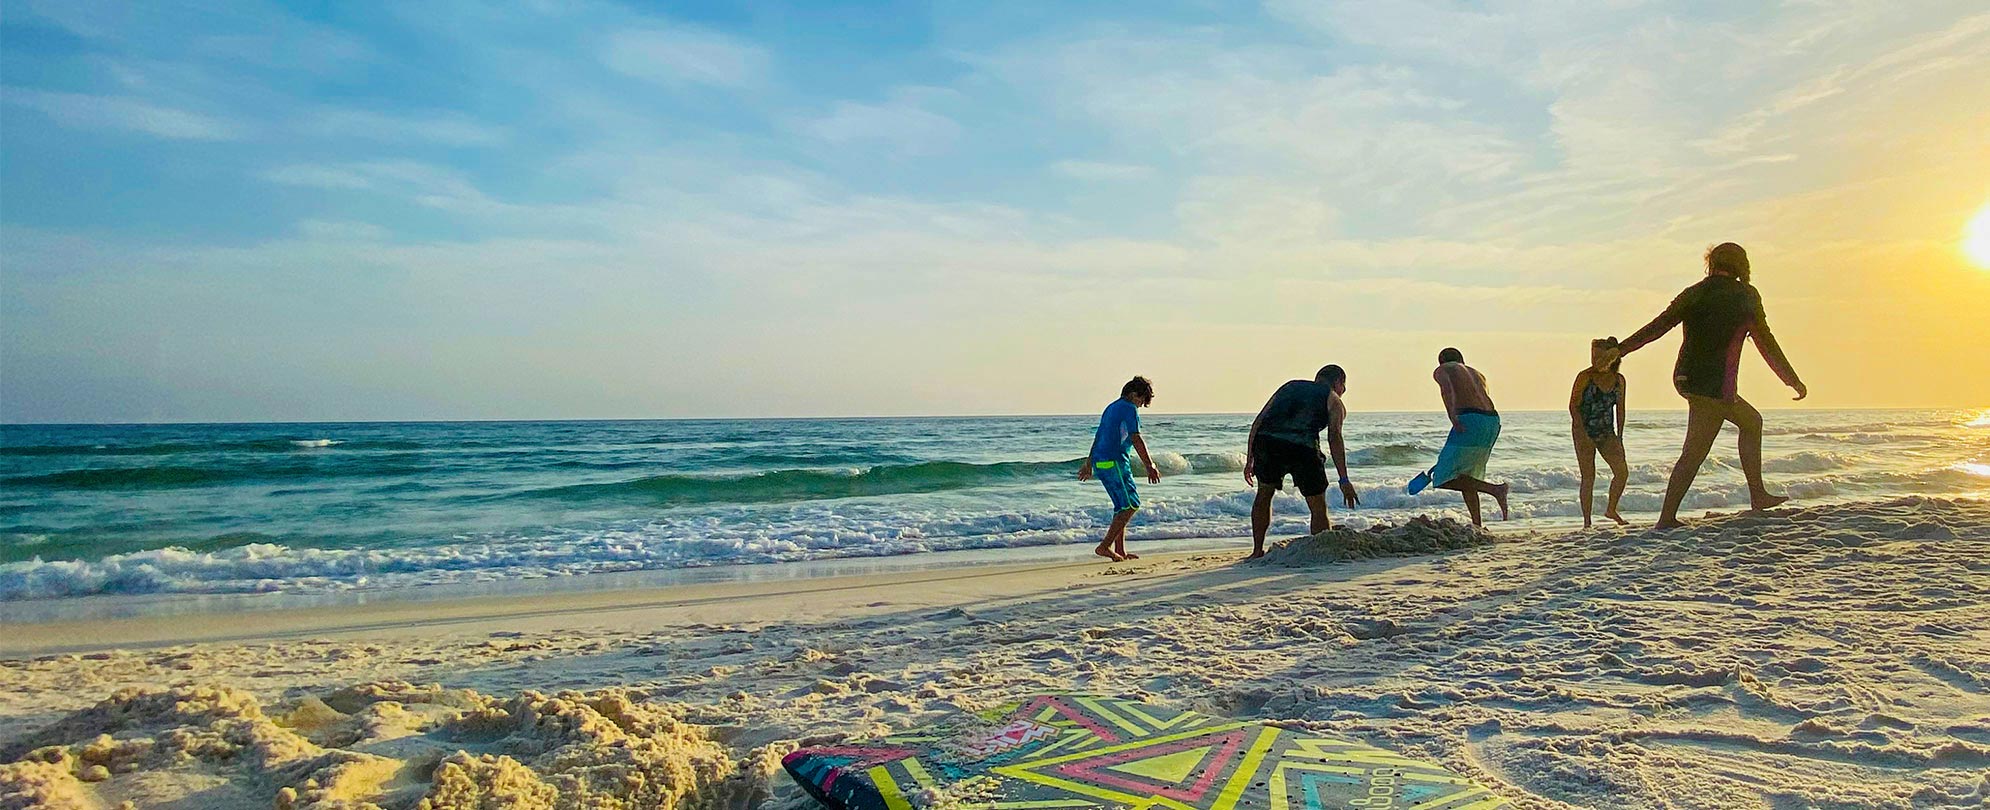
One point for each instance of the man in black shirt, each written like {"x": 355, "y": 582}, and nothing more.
{"x": 1285, "y": 440}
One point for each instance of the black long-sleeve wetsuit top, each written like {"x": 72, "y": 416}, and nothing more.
{"x": 1718, "y": 313}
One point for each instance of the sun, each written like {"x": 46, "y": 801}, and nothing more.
{"x": 1976, "y": 238}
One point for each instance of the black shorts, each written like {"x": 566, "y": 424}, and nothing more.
{"x": 1277, "y": 458}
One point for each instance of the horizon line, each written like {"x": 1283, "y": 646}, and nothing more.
{"x": 4, "y": 425}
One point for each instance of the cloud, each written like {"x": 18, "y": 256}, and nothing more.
{"x": 903, "y": 122}
{"x": 82, "y": 111}
{"x": 321, "y": 230}
{"x": 420, "y": 183}
{"x": 683, "y": 55}
{"x": 1101, "y": 172}
{"x": 325, "y": 177}
{"x": 447, "y": 129}
{"x": 1380, "y": 140}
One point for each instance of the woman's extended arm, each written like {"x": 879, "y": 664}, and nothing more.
{"x": 1772, "y": 352}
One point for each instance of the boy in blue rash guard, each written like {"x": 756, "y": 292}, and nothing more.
{"x": 1119, "y": 429}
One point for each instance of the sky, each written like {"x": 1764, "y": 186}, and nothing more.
{"x": 244, "y": 211}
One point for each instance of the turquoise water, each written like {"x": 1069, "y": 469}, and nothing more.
{"x": 314, "y": 507}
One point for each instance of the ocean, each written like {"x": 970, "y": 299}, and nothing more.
{"x": 89, "y": 510}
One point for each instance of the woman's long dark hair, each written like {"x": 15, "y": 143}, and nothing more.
{"x": 1728, "y": 258}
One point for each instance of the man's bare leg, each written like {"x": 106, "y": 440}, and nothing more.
{"x": 1749, "y": 420}
{"x": 1261, "y": 518}
{"x": 1115, "y": 536}
{"x": 1318, "y": 505}
{"x": 1471, "y": 487}
{"x": 1703, "y": 425}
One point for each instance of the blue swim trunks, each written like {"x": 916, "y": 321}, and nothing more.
{"x": 1468, "y": 448}
{"x": 1117, "y": 476}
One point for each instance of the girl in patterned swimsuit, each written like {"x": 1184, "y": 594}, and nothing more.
{"x": 1596, "y": 408}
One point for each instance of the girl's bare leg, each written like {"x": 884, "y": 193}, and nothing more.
{"x": 1620, "y": 474}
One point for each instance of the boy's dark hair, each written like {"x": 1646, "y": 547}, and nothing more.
{"x": 1330, "y": 374}
{"x": 1138, "y": 385}
{"x": 1450, "y": 355}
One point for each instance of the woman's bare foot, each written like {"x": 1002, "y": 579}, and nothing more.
{"x": 1107, "y": 553}
{"x": 1585, "y": 524}
{"x": 1612, "y": 514}
{"x": 1669, "y": 523}
{"x": 1255, "y": 553}
{"x": 1762, "y": 500}
{"x": 1499, "y": 495}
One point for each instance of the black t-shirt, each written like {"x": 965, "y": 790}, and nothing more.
{"x": 1298, "y": 411}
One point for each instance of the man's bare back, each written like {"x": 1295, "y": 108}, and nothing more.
{"x": 1463, "y": 387}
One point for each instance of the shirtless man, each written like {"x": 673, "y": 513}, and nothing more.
{"x": 1461, "y": 466}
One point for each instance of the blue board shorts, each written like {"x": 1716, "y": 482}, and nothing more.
{"x": 1117, "y": 476}
{"x": 1468, "y": 448}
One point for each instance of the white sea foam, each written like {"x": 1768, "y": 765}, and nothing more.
{"x": 809, "y": 532}
{"x": 1017, "y": 494}
{"x": 1808, "y": 461}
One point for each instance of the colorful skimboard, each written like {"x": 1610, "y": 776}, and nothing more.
{"x": 1058, "y": 751}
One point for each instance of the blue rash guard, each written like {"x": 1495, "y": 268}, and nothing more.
{"x": 1109, "y": 448}
{"x": 1117, "y": 425}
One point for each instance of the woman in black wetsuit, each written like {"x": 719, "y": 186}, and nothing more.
{"x": 1596, "y": 409}
{"x": 1718, "y": 313}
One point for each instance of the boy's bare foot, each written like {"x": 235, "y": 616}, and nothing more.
{"x": 1612, "y": 514}
{"x": 1106, "y": 553}
{"x": 1763, "y": 500}
{"x": 1585, "y": 524}
{"x": 1255, "y": 553}
{"x": 1128, "y": 555}
{"x": 1669, "y": 523}
{"x": 1499, "y": 495}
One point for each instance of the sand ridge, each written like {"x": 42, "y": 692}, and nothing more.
{"x": 1833, "y": 657}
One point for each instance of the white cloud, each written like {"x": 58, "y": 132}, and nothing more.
{"x": 327, "y": 177}
{"x": 322, "y": 230}
{"x": 1102, "y": 172}
{"x": 903, "y": 121}
{"x": 81, "y": 111}
{"x": 420, "y": 183}
{"x": 447, "y": 129}
{"x": 683, "y": 55}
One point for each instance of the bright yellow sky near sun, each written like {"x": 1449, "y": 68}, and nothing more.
{"x": 1976, "y": 238}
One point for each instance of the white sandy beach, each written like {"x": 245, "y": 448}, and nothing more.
{"x": 1830, "y": 657}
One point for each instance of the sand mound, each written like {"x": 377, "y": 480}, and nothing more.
{"x": 1418, "y": 535}
{"x": 381, "y": 745}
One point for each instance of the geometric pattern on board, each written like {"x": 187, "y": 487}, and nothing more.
{"x": 1056, "y": 751}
